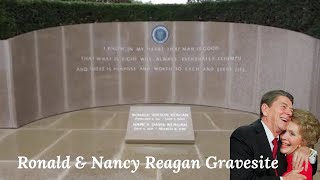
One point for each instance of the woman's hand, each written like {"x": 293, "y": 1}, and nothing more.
{"x": 300, "y": 156}
{"x": 294, "y": 175}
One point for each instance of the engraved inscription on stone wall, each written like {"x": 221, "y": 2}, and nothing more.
{"x": 180, "y": 59}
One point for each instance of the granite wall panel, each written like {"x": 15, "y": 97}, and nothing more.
{"x": 299, "y": 66}
{"x": 241, "y": 73}
{"x": 159, "y": 60}
{"x": 6, "y": 118}
{"x": 214, "y": 83}
{"x": 24, "y": 72}
{"x": 49, "y": 42}
{"x": 273, "y": 44}
{"x": 189, "y": 47}
{"x": 132, "y": 80}
{"x": 105, "y": 46}
{"x": 79, "y": 77}
{"x": 226, "y": 65}
{"x": 315, "y": 89}
{"x": 3, "y": 67}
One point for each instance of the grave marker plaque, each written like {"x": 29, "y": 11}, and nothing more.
{"x": 160, "y": 124}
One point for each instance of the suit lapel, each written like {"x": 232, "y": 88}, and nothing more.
{"x": 282, "y": 161}
{"x": 262, "y": 140}
{"x": 263, "y": 144}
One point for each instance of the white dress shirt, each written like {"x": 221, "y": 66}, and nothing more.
{"x": 270, "y": 137}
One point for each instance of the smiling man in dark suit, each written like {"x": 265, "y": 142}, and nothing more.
{"x": 262, "y": 138}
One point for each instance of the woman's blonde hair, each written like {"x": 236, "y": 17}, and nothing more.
{"x": 308, "y": 124}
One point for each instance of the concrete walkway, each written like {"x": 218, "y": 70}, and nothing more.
{"x": 101, "y": 131}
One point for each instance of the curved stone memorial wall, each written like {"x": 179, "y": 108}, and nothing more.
{"x": 228, "y": 65}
